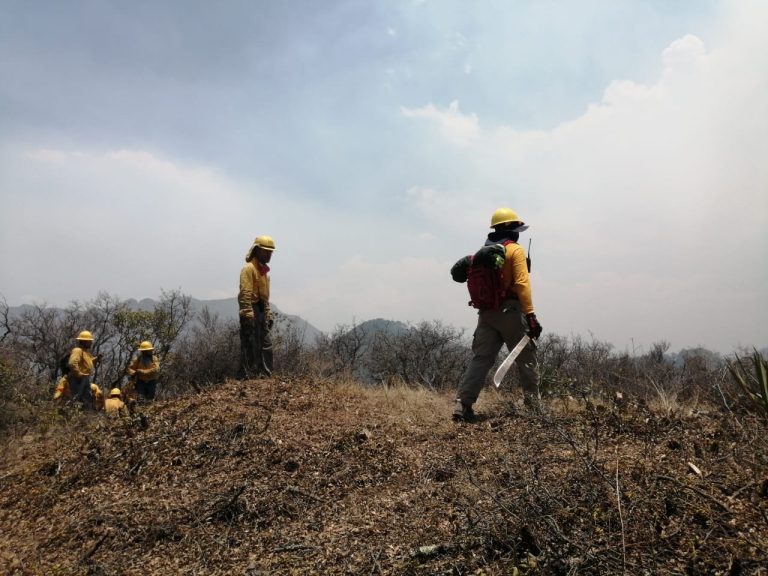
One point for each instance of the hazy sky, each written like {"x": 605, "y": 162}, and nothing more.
{"x": 144, "y": 144}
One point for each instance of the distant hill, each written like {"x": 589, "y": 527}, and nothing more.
{"x": 711, "y": 360}
{"x": 227, "y": 309}
{"x": 377, "y": 325}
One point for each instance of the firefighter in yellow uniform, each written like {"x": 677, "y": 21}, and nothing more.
{"x": 97, "y": 397}
{"x": 81, "y": 365}
{"x": 506, "y": 322}
{"x": 145, "y": 370}
{"x": 63, "y": 393}
{"x": 255, "y": 314}
{"x": 114, "y": 404}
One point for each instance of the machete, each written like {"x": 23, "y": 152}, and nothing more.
{"x": 504, "y": 368}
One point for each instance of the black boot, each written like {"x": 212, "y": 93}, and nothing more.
{"x": 463, "y": 412}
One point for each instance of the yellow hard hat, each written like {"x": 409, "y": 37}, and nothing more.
{"x": 265, "y": 242}
{"x": 115, "y": 392}
{"x": 146, "y": 346}
{"x": 506, "y": 216}
{"x": 85, "y": 335}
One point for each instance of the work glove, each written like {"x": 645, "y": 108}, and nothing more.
{"x": 534, "y": 328}
{"x": 460, "y": 270}
{"x": 490, "y": 256}
{"x": 270, "y": 319}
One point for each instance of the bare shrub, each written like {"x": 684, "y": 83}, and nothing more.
{"x": 341, "y": 351}
{"x": 292, "y": 356}
{"x": 429, "y": 354}
{"x": 580, "y": 368}
{"x": 208, "y": 353}
{"x": 574, "y": 366}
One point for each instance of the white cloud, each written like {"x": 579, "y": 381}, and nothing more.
{"x": 456, "y": 127}
{"x": 125, "y": 221}
{"x": 412, "y": 288}
{"x": 131, "y": 222}
{"x": 684, "y": 56}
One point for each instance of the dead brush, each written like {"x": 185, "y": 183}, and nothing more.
{"x": 401, "y": 402}
{"x": 753, "y": 380}
{"x": 666, "y": 399}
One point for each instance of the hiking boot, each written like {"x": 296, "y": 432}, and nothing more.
{"x": 463, "y": 412}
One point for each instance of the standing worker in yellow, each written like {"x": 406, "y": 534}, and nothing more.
{"x": 500, "y": 288}
{"x": 255, "y": 314}
{"x": 81, "y": 363}
{"x": 145, "y": 369}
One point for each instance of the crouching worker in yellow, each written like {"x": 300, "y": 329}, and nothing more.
{"x": 144, "y": 370}
{"x": 63, "y": 393}
{"x": 81, "y": 363}
{"x": 114, "y": 404}
{"x": 255, "y": 314}
{"x": 97, "y": 397}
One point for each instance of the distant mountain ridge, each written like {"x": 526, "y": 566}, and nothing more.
{"x": 228, "y": 309}
{"x": 225, "y": 309}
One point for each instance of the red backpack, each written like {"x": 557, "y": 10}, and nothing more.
{"x": 484, "y": 278}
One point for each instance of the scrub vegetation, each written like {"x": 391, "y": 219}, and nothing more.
{"x": 346, "y": 461}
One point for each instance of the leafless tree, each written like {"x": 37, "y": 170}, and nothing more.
{"x": 429, "y": 354}
{"x": 5, "y": 324}
{"x": 205, "y": 354}
{"x": 343, "y": 349}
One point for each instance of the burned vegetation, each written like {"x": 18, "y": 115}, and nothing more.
{"x": 305, "y": 476}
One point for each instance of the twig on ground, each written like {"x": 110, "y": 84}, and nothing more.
{"x": 296, "y": 490}
{"x": 96, "y": 545}
{"x": 219, "y": 509}
{"x": 490, "y": 494}
{"x": 292, "y": 547}
{"x": 621, "y": 520}
{"x": 697, "y": 490}
{"x": 740, "y": 490}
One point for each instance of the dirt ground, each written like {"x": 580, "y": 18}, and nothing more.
{"x": 298, "y": 477}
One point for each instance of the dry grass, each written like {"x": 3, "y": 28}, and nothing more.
{"x": 327, "y": 477}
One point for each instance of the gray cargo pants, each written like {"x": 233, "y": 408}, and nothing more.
{"x": 505, "y": 325}
{"x": 80, "y": 388}
{"x": 255, "y": 346}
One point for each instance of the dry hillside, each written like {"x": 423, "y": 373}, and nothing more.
{"x": 289, "y": 477}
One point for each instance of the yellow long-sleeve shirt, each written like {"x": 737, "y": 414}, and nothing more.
{"x": 80, "y": 362}
{"x": 145, "y": 370}
{"x": 515, "y": 276}
{"x": 254, "y": 288}
{"x": 114, "y": 405}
